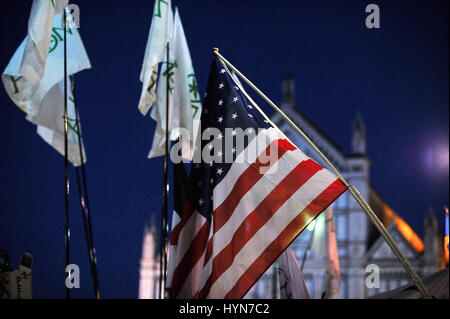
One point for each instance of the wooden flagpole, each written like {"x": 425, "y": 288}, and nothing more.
{"x": 355, "y": 193}
{"x": 66, "y": 161}
{"x": 84, "y": 199}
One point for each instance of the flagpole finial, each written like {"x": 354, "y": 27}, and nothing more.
{"x": 215, "y": 50}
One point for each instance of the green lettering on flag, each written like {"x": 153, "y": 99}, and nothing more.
{"x": 14, "y": 81}
{"x": 158, "y": 14}
{"x": 73, "y": 125}
{"x": 195, "y": 107}
{"x": 170, "y": 72}
{"x": 193, "y": 89}
{"x": 153, "y": 81}
{"x": 57, "y": 37}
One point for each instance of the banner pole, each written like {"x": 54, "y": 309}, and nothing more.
{"x": 66, "y": 161}
{"x": 166, "y": 184}
{"x": 85, "y": 224}
{"x": 164, "y": 212}
{"x": 84, "y": 200}
{"x": 355, "y": 193}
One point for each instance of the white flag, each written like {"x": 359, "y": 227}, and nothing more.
{"x": 155, "y": 52}
{"x": 184, "y": 99}
{"x": 324, "y": 243}
{"x": 40, "y": 25}
{"x": 43, "y": 102}
{"x": 292, "y": 283}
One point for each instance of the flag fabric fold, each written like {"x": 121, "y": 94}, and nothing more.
{"x": 241, "y": 214}
{"x": 43, "y": 102}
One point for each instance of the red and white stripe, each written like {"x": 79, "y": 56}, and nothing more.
{"x": 256, "y": 216}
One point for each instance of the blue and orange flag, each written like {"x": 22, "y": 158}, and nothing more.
{"x": 446, "y": 236}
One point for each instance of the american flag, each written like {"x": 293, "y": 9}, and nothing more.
{"x": 237, "y": 218}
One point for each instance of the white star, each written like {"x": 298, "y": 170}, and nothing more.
{"x": 219, "y": 153}
{"x": 233, "y": 150}
{"x": 200, "y": 202}
{"x": 249, "y": 106}
{"x": 221, "y": 85}
{"x": 249, "y": 115}
{"x": 220, "y": 119}
{"x": 233, "y": 132}
{"x": 220, "y": 136}
{"x": 210, "y": 147}
{"x": 235, "y": 99}
{"x": 219, "y": 171}
{"x": 234, "y": 116}
{"x": 222, "y": 71}
{"x": 250, "y": 130}
{"x": 220, "y": 102}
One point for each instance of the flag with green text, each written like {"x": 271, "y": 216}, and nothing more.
{"x": 43, "y": 102}
{"x": 184, "y": 99}
{"x": 159, "y": 36}
{"x": 40, "y": 24}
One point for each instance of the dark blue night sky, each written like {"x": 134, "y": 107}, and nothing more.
{"x": 396, "y": 76}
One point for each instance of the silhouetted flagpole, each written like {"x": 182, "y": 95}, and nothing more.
{"x": 164, "y": 212}
{"x": 84, "y": 200}
{"x": 66, "y": 161}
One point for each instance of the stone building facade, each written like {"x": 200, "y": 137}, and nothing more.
{"x": 359, "y": 243}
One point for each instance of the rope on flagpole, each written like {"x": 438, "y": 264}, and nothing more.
{"x": 66, "y": 160}
{"x": 84, "y": 200}
{"x": 355, "y": 193}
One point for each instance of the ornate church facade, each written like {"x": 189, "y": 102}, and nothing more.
{"x": 359, "y": 243}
